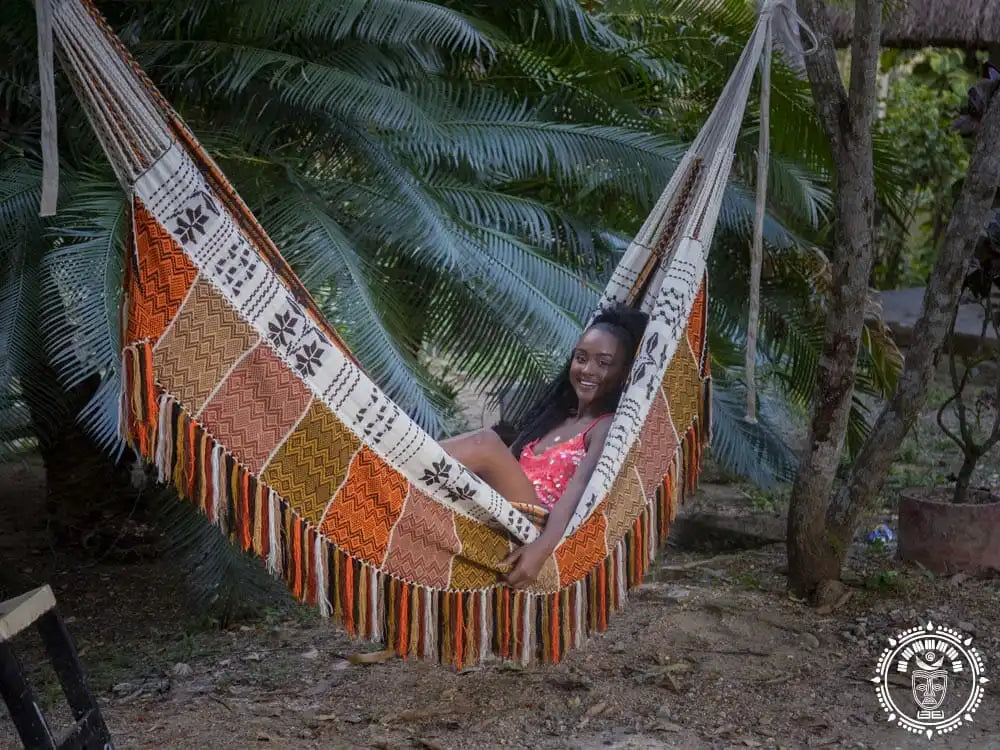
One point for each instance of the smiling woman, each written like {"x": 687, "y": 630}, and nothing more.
{"x": 560, "y": 440}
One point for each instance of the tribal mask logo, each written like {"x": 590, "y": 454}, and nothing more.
{"x": 945, "y": 680}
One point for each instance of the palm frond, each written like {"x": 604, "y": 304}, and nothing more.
{"x": 222, "y": 579}
{"x": 21, "y": 352}
{"x": 387, "y": 22}
{"x": 757, "y": 452}
{"x": 81, "y": 300}
{"x": 545, "y": 224}
{"x": 309, "y": 231}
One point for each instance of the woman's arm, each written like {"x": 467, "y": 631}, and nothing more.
{"x": 527, "y": 561}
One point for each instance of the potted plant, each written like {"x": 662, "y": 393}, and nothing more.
{"x": 961, "y": 533}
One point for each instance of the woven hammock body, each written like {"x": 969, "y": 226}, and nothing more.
{"x": 248, "y": 402}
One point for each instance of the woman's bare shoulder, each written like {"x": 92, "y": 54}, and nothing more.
{"x": 597, "y": 434}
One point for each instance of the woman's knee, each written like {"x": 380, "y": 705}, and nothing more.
{"x": 490, "y": 440}
{"x": 484, "y": 439}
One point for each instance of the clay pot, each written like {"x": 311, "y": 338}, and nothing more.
{"x": 945, "y": 537}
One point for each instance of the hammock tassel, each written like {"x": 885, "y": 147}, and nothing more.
{"x": 47, "y": 90}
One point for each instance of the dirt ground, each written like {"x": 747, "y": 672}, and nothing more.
{"x": 709, "y": 653}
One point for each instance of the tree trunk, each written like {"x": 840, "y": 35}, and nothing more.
{"x": 964, "y": 478}
{"x": 941, "y": 299}
{"x": 847, "y": 117}
{"x": 83, "y": 486}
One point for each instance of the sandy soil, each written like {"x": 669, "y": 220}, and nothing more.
{"x": 709, "y": 653}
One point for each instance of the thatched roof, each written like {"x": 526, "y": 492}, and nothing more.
{"x": 968, "y": 24}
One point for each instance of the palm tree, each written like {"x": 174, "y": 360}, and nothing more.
{"x": 454, "y": 179}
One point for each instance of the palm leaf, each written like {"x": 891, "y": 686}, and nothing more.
{"x": 81, "y": 300}
{"x": 756, "y": 452}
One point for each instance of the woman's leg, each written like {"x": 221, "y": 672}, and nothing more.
{"x": 484, "y": 453}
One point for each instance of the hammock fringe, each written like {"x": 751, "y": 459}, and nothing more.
{"x": 425, "y": 586}
{"x": 458, "y": 628}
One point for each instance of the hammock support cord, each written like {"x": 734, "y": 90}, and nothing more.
{"x": 248, "y": 402}
{"x": 46, "y": 81}
{"x": 757, "y": 243}
{"x": 695, "y": 192}
{"x": 783, "y": 25}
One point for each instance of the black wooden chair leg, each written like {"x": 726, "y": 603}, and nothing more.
{"x": 89, "y": 732}
{"x": 24, "y": 710}
{"x": 72, "y": 677}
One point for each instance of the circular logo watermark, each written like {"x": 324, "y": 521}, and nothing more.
{"x": 930, "y": 680}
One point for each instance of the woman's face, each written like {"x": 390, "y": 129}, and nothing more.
{"x": 598, "y": 366}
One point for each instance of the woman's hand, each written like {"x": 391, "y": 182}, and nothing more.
{"x": 526, "y": 562}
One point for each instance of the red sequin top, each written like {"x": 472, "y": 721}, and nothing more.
{"x": 551, "y": 470}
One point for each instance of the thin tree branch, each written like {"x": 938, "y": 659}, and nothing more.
{"x": 824, "y": 74}
{"x": 943, "y": 427}
{"x": 959, "y": 385}
{"x": 863, "y": 93}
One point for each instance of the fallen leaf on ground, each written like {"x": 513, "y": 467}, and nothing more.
{"x": 372, "y": 657}
{"x": 810, "y": 640}
{"x": 677, "y": 666}
{"x": 415, "y": 715}
{"x": 667, "y": 726}
{"x": 670, "y": 683}
{"x": 724, "y": 729}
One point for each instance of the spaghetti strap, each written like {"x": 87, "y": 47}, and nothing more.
{"x": 583, "y": 435}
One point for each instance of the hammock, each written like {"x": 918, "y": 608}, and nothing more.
{"x": 251, "y": 405}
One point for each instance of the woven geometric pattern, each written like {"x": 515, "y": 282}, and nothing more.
{"x": 697, "y": 322}
{"x": 255, "y": 407}
{"x": 312, "y": 463}
{"x": 624, "y": 503}
{"x": 583, "y": 550}
{"x": 203, "y": 344}
{"x": 364, "y": 510}
{"x": 656, "y": 447}
{"x": 424, "y": 542}
{"x": 682, "y": 383}
{"x": 482, "y": 548}
{"x": 158, "y": 284}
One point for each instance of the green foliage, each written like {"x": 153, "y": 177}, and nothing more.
{"x": 925, "y": 94}
{"x": 403, "y": 146}
{"x": 225, "y": 582}
{"x": 454, "y": 183}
